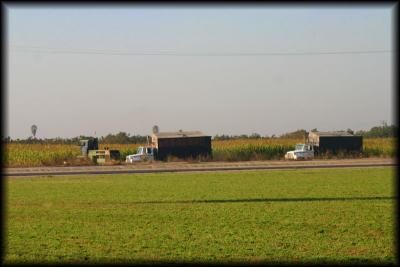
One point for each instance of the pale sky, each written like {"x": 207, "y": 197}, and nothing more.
{"x": 79, "y": 70}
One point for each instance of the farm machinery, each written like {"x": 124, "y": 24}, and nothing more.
{"x": 90, "y": 150}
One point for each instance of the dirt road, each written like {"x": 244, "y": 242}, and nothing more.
{"x": 154, "y": 167}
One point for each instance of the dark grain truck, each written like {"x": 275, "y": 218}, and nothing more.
{"x": 335, "y": 142}
{"x": 190, "y": 144}
{"x": 182, "y": 145}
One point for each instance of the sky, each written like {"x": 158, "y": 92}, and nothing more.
{"x": 92, "y": 70}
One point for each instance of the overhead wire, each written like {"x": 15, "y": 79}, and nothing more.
{"x": 33, "y": 49}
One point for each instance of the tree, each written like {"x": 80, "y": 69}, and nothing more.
{"x": 6, "y": 139}
{"x": 255, "y": 136}
{"x": 155, "y": 129}
{"x": 380, "y": 131}
{"x": 299, "y": 134}
{"x": 33, "y": 130}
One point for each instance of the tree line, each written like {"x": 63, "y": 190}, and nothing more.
{"x": 381, "y": 131}
{"x": 119, "y": 138}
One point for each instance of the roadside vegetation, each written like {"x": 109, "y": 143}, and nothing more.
{"x": 30, "y": 155}
{"x": 379, "y": 141}
{"x": 336, "y": 216}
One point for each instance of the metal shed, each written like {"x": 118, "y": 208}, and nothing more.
{"x": 181, "y": 144}
{"x": 335, "y": 141}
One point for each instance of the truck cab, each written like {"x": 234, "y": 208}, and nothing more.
{"x": 302, "y": 151}
{"x": 143, "y": 153}
{"x": 87, "y": 145}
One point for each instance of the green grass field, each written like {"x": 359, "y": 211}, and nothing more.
{"x": 311, "y": 216}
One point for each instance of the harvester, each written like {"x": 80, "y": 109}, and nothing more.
{"x": 90, "y": 149}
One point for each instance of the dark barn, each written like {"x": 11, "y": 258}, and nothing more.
{"x": 182, "y": 144}
{"x": 335, "y": 142}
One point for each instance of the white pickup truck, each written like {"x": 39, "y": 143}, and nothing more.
{"x": 301, "y": 151}
{"x": 145, "y": 153}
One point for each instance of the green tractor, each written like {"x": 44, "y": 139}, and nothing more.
{"x": 90, "y": 149}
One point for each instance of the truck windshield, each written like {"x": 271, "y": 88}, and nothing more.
{"x": 299, "y": 147}
{"x": 140, "y": 150}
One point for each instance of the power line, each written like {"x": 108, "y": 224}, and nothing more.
{"x": 33, "y": 49}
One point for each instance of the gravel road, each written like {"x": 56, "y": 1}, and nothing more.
{"x": 154, "y": 167}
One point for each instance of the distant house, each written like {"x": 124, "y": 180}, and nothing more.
{"x": 181, "y": 144}
{"x": 335, "y": 141}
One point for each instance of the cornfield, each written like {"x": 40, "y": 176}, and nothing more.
{"x": 31, "y": 155}
{"x": 380, "y": 147}
{"x": 252, "y": 149}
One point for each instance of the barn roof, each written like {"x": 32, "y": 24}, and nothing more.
{"x": 336, "y": 133}
{"x": 180, "y": 134}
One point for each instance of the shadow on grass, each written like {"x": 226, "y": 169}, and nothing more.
{"x": 304, "y": 199}
{"x": 321, "y": 261}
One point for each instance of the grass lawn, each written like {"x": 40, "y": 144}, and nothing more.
{"x": 311, "y": 216}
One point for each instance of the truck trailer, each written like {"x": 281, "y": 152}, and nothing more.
{"x": 181, "y": 144}
{"x": 334, "y": 142}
